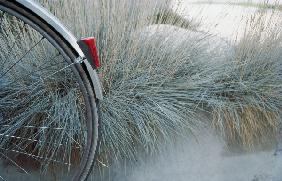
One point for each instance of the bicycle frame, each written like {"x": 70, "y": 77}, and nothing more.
{"x": 52, "y": 21}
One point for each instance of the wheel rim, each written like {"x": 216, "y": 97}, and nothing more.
{"x": 29, "y": 93}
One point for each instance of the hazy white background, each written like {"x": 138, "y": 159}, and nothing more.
{"x": 225, "y": 20}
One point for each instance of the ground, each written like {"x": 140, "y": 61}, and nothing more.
{"x": 204, "y": 159}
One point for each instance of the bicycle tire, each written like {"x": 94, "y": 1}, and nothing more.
{"x": 69, "y": 53}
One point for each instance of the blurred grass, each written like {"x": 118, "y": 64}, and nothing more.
{"x": 170, "y": 17}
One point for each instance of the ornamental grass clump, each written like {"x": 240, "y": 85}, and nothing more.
{"x": 245, "y": 95}
{"x": 143, "y": 68}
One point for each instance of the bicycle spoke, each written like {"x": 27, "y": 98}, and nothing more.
{"x": 42, "y": 98}
{"x": 41, "y": 68}
{"x": 35, "y": 140}
{"x": 35, "y": 156}
{"x": 42, "y": 79}
{"x": 51, "y": 145}
{"x": 11, "y": 67}
{"x": 45, "y": 128}
{"x": 62, "y": 69}
{"x": 13, "y": 162}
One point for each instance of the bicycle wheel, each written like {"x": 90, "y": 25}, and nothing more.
{"x": 48, "y": 110}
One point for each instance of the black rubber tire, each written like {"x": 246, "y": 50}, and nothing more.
{"x": 69, "y": 53}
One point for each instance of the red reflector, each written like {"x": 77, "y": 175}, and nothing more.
{"x": 92, "y": 50}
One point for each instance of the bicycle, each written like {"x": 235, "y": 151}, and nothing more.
{"x": 49, "y": 96}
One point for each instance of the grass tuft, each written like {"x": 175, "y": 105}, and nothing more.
{"x": 245, "y": 95}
